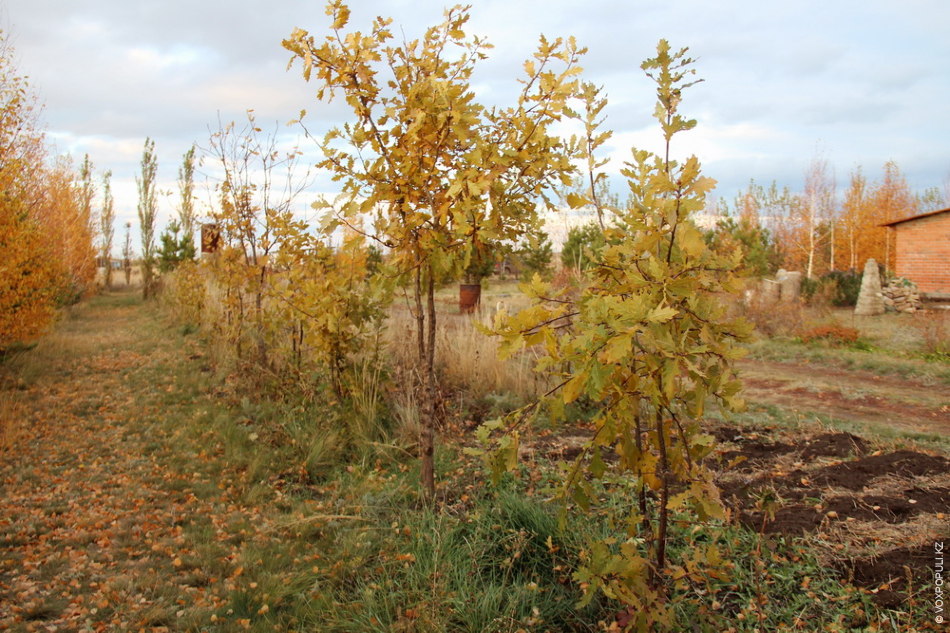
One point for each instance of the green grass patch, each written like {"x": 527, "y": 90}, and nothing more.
{"x": 862, "y": 355}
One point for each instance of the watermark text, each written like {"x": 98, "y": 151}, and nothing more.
{"x": 939, "y": 576}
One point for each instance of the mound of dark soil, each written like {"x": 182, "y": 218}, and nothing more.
{"x": 752, "y": 455}
{"x": 888, "y": 572}
{"x": 798, "y": 518}
{"x": 793, "y": 520}
{"x": 855, "y": 475}
{"x": 731, "y": 434}
{"x": 833, "y": 445}
{"x": 851, "y": 475}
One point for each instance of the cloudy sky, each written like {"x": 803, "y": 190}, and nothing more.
{"x": 857, "y": 82}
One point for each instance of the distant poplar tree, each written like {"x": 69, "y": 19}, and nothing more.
{"x": 147, "y": 211}
{"x": 107, "y": 226}
{"x": 186, "y": 187}
{"x": 127, "y": 254}
{"x": 87, "y": 193}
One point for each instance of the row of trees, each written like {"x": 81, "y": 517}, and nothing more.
{"x": 54, "y": 224}
{"x": 175, "y": 244}
{"x": 819, "y": 230}
{"x": 816, "y": 231}
{"x": 46, "y": 221}
{"x": 437, "y": 180}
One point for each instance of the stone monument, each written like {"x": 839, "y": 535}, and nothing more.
{"x": 870, "y": 299}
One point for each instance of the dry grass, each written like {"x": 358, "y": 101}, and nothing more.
{"x": 467, "y": 359}
{"x": 407, "y": 416}
{"x": 11, "y": 412}
{"x": 118, "y": 278}
{"x": 770, "y": 318}
{"x": 933, "y": 327}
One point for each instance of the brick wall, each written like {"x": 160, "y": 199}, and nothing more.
{"x": 923, "y": 252}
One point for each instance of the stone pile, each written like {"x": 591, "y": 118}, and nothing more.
{"x": 900, "y": 295}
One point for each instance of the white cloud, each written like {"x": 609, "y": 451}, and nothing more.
{"x": 871, "y": 85}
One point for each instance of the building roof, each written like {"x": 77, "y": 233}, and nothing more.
{"x": 916, "y": 217}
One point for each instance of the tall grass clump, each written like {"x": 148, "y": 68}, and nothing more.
{"x": 933, "y": 327}
{"x": 503, "y": 563}
{"x": 468, "y": 360}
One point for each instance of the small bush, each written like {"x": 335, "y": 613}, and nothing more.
{"x": 772, "y": 318}
{"x": 934, "y": 331}
{"x": 185, "y": 294}
{"x": 847, "y": 287}
{"x": 832, "y": 334}
{"x": 810, "y": 288}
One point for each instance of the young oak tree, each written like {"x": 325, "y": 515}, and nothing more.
{"x": 648, "y": 341}
{"x": 441, "y": 175}
{"x": 596, "y": 187}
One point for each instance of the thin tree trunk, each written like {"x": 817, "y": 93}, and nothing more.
{"x": 424, "y": 375}
{"x": 642, "y": 489}
{"x": 431, "y": 413}
{"x": 887, "y": 249}
{"x": 146, "y": 281}
{"x": 420, "y": 317}
{"x": 431, "y": 344}
{"x": 664, "y": 499}
{"x": 259, "y": 314}
{"x": 852, "y": 259}
{"x": 832, "y": 263}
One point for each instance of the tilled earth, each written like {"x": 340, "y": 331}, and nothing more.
{"x": 875, "y": 514}
{"x": 880, "y": 511}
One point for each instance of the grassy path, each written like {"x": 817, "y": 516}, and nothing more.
{"x": 132, "y": 500}
{"x": 110, "y": 518}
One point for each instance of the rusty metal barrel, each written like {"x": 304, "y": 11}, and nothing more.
{"x": 470, "y": 296}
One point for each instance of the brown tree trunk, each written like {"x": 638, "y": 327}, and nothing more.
{"x": 426, "y": 346}
{"x": 664, "y": 498}
{"x": 146, "y": 281}
{"x": 428, "y": 447}
{"x": 420, "y": 318}
{"x": 642, "y": 492}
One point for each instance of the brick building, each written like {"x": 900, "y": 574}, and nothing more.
{"x": 922, "y": 250}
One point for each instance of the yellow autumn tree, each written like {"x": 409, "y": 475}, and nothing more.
{"x": 805, "y": 229}
{"x": 66, "y": 227}
{"x": 441, "y": 175}
{"x": 891, "y": 200}
{"x": 44, "y": 236}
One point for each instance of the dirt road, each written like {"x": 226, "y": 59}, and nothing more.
{"x": 858, "y": 396}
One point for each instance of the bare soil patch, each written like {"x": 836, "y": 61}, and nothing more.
{"x": 793, "y": 484}
{"x": 848, "y": 395}
{"x": 829, "y": 483}
{"x": 893, "y": 575}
